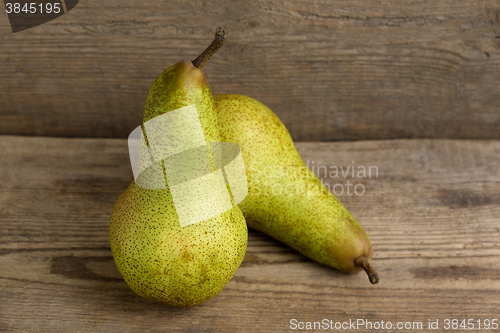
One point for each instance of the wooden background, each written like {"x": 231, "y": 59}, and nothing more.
{"x": 423, "y": 73}
{"x": 331, "y": 70}
{"x": 432, "y": 215}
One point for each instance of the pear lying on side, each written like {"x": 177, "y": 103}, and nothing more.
{"x": 158, "y": 258}
{"x": 280, "y": 201}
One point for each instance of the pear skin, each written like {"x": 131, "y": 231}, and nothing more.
{"x": 181, "y": 85}
{"x": 162, "y": 261}
{"x": 159, "y": 259}
{"x": 285, "y": 199}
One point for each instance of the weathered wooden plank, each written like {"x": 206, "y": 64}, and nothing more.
{"x": 332, "y": 70}
{"x": 432, "y": 212}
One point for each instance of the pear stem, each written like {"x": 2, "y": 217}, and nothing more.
{"x": 363, "y": 263}
{"x": 220, "y": 37}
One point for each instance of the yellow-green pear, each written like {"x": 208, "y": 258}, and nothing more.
{"x": 285, "y": 199}
{"x": 158, "y": 258}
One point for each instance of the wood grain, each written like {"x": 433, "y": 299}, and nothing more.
{"x": 335, "y": 70}
{"x": 432, "y": 213}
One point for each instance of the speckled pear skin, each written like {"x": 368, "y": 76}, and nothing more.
{"x": 320, "y": 227}
{"x": 159, "y": 259}
{"x": 181, "y": 85}
{"x": 162, "y": 261}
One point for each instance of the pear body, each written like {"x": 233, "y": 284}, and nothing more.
{"x": 162, "y": 261}
{"x": 181, "y": 85}
{"x": 158, "y": 258}
{"x": 285, "y": 199}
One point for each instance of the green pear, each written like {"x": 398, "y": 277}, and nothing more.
{"x": 285, "y": 199}
{"x": 158, "y": 258}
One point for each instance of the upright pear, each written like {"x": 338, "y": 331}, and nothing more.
{"x": 286, "y": 200}
{"x": 158, "y": 258}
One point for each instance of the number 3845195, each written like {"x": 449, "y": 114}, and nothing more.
{"x": 471, "y": 324}
{"x": 33, "y": 8}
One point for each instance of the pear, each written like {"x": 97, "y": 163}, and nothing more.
{"x": 158, "y": 258}
{"x": 285, "y": 199}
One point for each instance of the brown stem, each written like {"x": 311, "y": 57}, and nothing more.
{"x": 216, "y": 44}
{"x": 363, "y": 263}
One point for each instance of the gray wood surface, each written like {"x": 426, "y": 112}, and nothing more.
{"x": 331, "y": 70}
{"x": 432, "y": 213}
